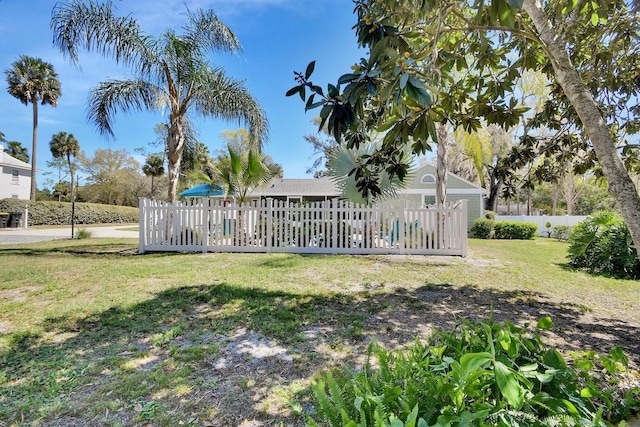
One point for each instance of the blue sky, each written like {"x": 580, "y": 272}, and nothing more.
{"x": 278, "y": 37}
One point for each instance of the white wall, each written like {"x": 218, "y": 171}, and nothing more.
{"x": 9, "y": 189}
{"x": 541, "y": 220}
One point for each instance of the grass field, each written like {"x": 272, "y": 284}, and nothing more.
{"x": 93, "y": 334}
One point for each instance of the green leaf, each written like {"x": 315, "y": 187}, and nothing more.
{"x": 554, "y": 359}
{"x": 509, "y": 385}
{"x": 346, "y": 78}
{"x": 293, "y": 91}
{"x": 358, "y": 402}
{"x": 545, "y": 323}
{"x": 417, "y": 91}
{"x": 413, "y": 417}
{"x": 310, "y": 68}
{"x": 404, "y": 78}
{"x": 471, "y": 362}
{"x": 333, "y": 91}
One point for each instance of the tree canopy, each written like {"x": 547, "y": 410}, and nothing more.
{"x": 458, "y": 62}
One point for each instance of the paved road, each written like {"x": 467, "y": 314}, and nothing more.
{"x": 36, "y": 234}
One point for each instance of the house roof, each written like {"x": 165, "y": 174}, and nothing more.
{"x": 298, "y": 187}
{"x": 325, "y": 187}
{"x": 12, "y": 162}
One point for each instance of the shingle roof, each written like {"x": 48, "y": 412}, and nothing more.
{"x": 298, "y": 187}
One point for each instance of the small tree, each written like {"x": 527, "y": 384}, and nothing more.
{"x": 18, "y": 151}
{"x": 153, "y": 167}
{"x": 66, "y": 145}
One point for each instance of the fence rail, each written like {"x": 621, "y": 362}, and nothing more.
{"x": 333, "y": 227}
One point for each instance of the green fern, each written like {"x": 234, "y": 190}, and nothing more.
{"x": 483, "y": 374}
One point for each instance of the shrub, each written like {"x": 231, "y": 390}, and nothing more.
{"x": 602, "y": 244}
{"x": 481, "y": 374}
{"x": 561, "y": 232}
{"x": 482, "y": 228}
{"x": 83, "y": 233}
{"x": 514, "y": 230}
{"x": 490, "y": 215}
{"x": 59, "y": 213}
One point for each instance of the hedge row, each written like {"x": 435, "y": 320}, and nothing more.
{"x": 59, "y": 213}
{"x": 484, "y": 228}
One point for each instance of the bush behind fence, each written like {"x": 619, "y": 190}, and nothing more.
{"x": 59, "y": 213}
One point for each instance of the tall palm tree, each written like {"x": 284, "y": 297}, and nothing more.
{"x": 18, "y": 151}
{"x": 153, "y": 167}
{"x": 32, "y": 80}
{"x": 172, "y": 70}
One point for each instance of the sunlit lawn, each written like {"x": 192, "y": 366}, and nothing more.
{"x": 93, "y": 334}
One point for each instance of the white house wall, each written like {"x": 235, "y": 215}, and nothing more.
{"x": 9, "y": 189}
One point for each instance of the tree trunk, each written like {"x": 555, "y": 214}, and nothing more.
{"x": 569, "y": 193}
{"x": 620, "y": 184}
{"x": 554, "y": 199}
{"x": 34, "y": 146}
{"x": 175, "y": 148}
{"x": 442, "y": 166}
{"x": 441, "y": 182}
{"x": 491, "y": 202}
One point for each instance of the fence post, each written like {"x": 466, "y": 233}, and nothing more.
{"x": 402, "y": 214}
{"x": 141, "y": 225}
{"x": 269, "y": 203}
{"x": 205, "y": 224}
{"x": 463, "y": 227}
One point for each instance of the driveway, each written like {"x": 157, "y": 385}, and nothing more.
{"x": 37, "y": 234}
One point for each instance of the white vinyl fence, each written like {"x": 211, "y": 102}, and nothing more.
{"x": 332, "y": 227}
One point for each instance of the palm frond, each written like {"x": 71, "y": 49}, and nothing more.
{"x": 344, "y": 160}
{"x": 220, "y": 96}
{"x": 207, "y": 32}
{"x": 94, "y": 26}
{"x": 125, "y": 95}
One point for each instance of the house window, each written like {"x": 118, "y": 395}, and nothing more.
{"x": 14, "y": 196}
{"x": 429, "y": 200}
{"x": 15, "y": 176}
{"x": 428, "y": 179}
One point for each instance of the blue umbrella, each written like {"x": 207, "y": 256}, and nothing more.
{"x": 202, "y": 190}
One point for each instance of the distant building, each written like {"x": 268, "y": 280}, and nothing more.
{"x": 420, "y": 190}
{"x": 15, "y": 177}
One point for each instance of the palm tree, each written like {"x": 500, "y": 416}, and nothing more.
{"x": 65, "y": 145}
{"x": 153, "y": 167}
{"x": 343, "y": 161}
{"x": 172, "y": 72}
{"x": 243, "y": 172}
{"x": 18, "y": 151}
{"x": 32, "y": 80}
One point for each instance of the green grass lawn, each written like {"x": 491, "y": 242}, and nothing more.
{"x": 93, "y": 334}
